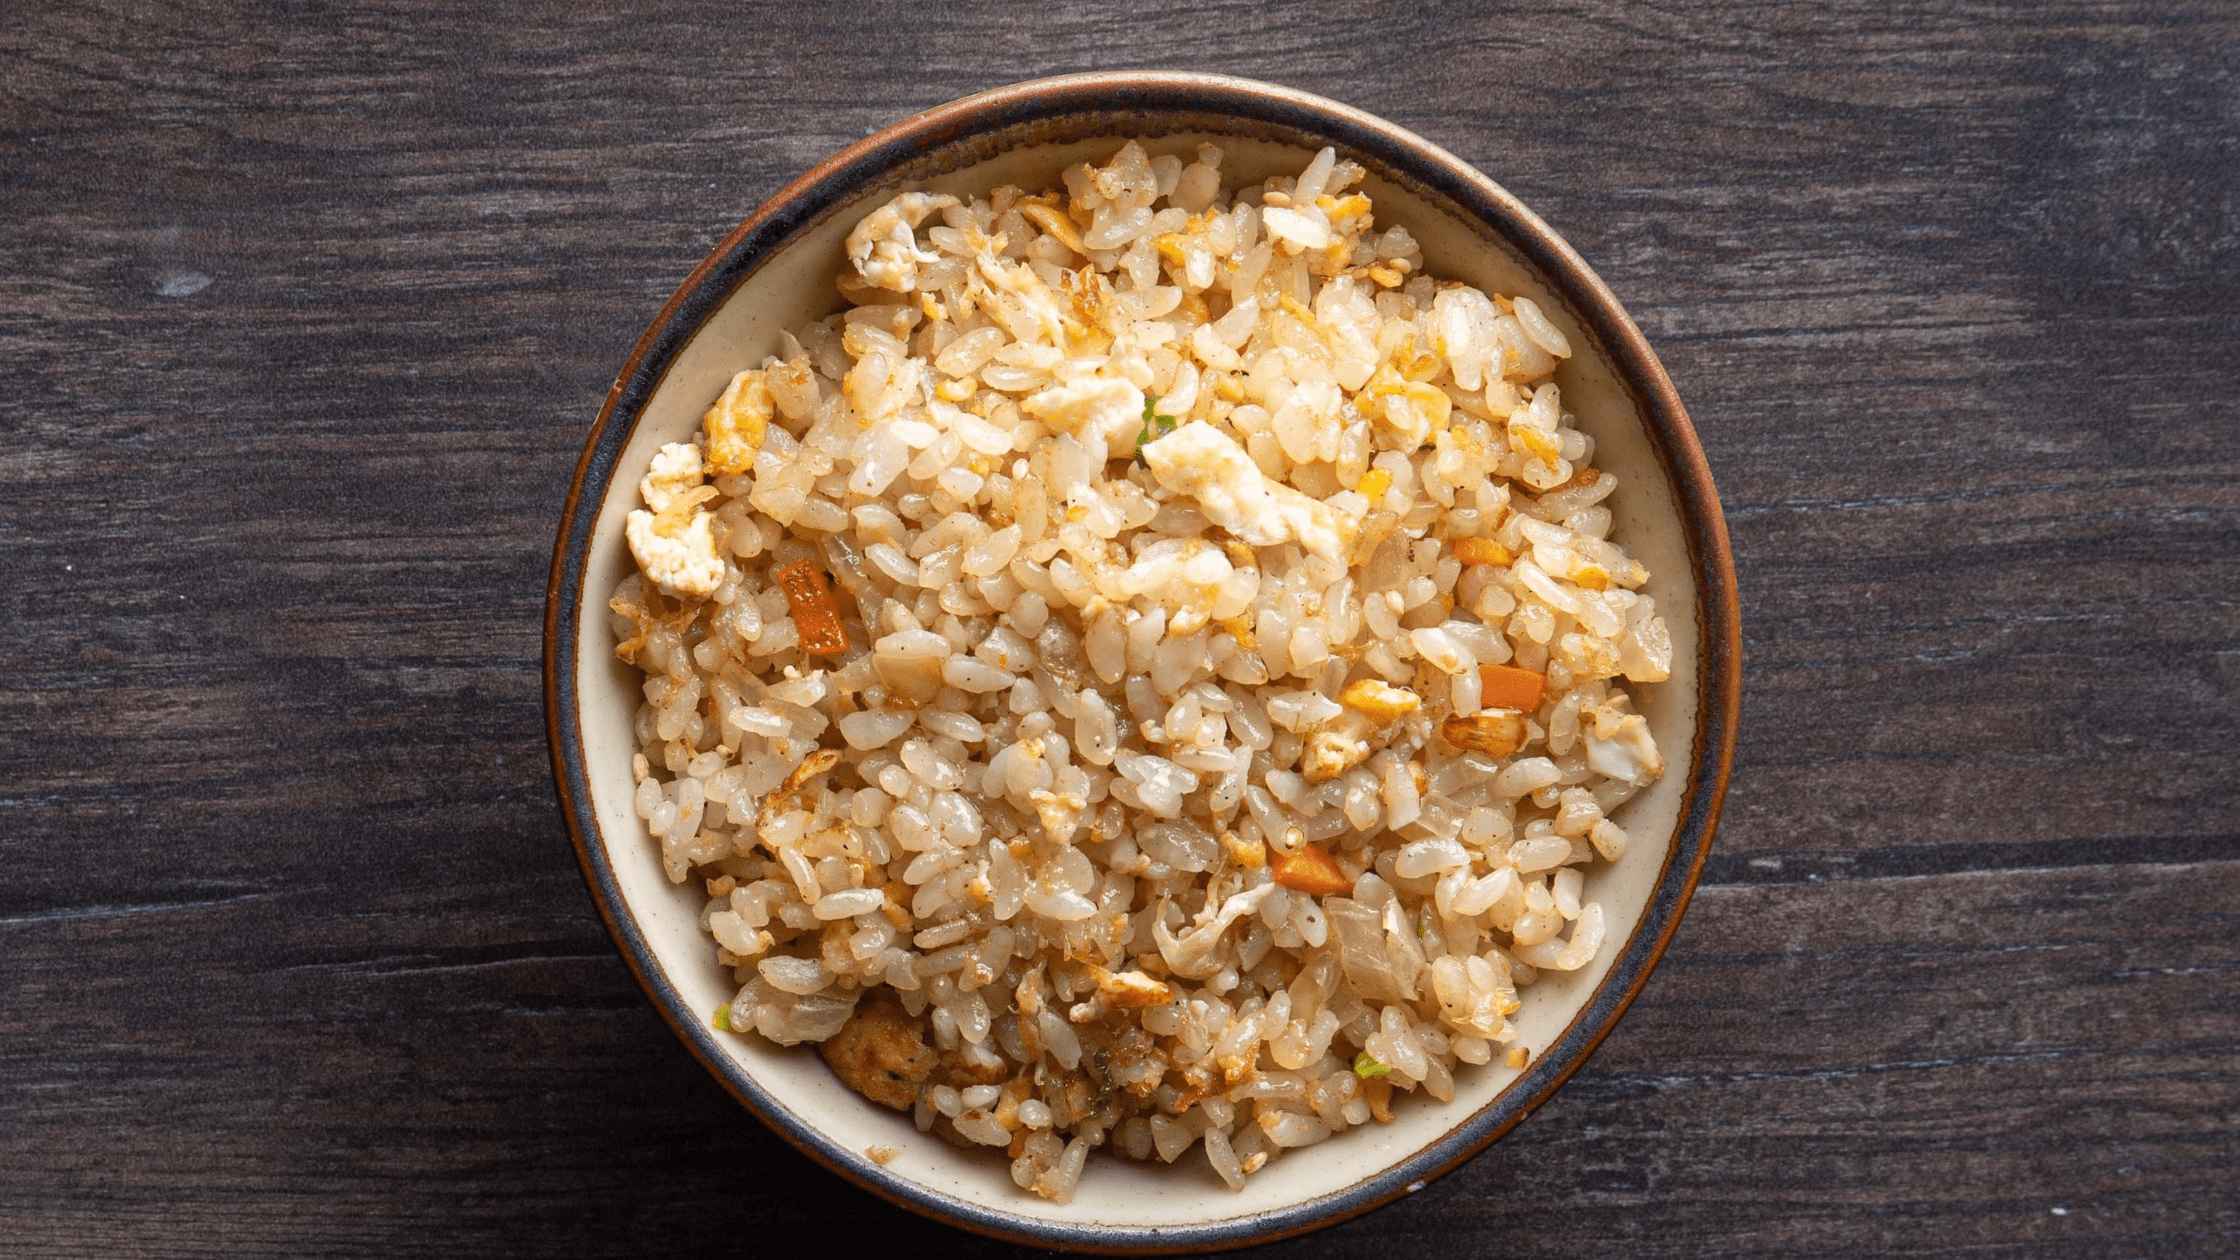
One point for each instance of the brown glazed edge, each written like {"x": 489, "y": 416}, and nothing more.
{"x": 1393, "y": 153}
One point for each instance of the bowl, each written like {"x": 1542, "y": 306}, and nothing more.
{"x": 776, "y": 268}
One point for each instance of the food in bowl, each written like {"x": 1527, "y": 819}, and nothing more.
{"x": 1149, "y": 673}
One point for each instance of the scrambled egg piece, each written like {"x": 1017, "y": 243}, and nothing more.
{"x": 1626, "y": 752}
{"x": 678, "y": 553}
{"x": 1333, "y": 750}
{"x": 676, "y": 469}
{"x": 1127, "y": 990}
{"x": 1060, "y": 813}
{"x": 1200, "y": 461}
{"x": 1178, "y": 572}
{"x": 1381, "y": 702}
{"x": 1032, "y": 315}
{"x": 884, "y": 246}
{"x": 738, "y": 422}
{"x": 1494, "y": 732}
{"x": 687, "y": 565}
{"x": 1095, "y": 404}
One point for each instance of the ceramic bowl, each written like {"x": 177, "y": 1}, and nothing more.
{"x": 777, "y": 268}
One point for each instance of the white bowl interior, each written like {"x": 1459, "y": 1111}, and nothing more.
{"x": 797, "y": 283}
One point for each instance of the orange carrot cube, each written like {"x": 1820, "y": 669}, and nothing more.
{"x": 1507, "y": 687}
{"x": 1310, "y": 869}
{"x": 815, "y": 615}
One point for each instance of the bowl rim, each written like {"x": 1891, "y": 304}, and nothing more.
{"x": 1466, "y": 193}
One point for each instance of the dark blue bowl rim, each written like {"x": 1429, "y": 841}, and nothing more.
{"x": 1146, "y": 103}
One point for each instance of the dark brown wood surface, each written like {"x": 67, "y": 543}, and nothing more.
{"x": 305, "y": 310}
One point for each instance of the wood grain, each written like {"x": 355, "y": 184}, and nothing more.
{"x": 304, "y": 313}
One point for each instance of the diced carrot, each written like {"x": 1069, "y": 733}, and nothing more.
{"x": 1310, "y": 870}
{"x": 1507, "y": 687}
{"x": 1481, "y": 551}
{"x": 815, "y": 615}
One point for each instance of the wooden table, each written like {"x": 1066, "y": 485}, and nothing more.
{"x": 305, "y": 315}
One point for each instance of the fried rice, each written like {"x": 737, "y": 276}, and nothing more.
{"x": 1150, "y": 673}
